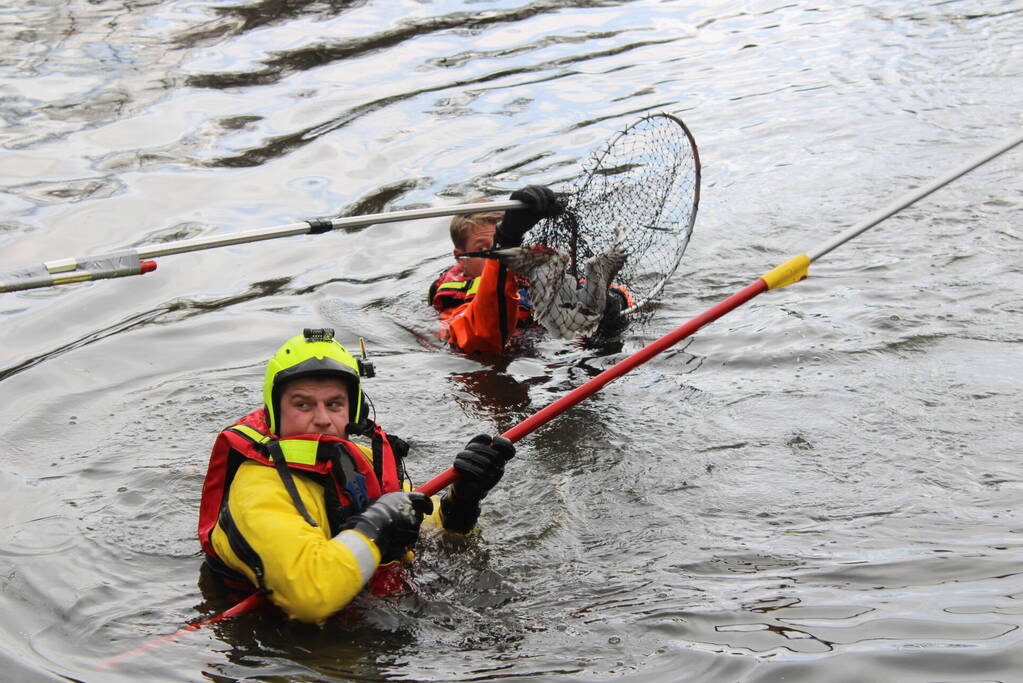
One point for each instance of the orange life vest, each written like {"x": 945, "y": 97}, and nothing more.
{"x": 481, "y": 313}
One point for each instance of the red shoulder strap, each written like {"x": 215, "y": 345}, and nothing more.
{"x": 385, "y": 464}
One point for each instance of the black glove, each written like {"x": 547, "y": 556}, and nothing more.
{"x": 540, "y": 203}
{"x": 392, "y": 522}
{"x": 480, "y": 466}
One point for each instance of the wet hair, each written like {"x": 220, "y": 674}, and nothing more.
{"x": 462, "y": 226}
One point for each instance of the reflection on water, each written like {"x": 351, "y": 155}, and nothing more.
{"x": 821, "y": 486}
{"x": 489, "y": 395}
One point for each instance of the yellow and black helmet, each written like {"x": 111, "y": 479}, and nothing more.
{"x": 315, "y": 352}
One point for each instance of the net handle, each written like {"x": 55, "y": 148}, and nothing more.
{"x": 73, "y": 269}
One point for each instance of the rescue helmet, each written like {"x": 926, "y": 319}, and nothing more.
{"x": 314, "y": 353}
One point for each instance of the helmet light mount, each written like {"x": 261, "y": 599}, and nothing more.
{"x": 318, "y": 334}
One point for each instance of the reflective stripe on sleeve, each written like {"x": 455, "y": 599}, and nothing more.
{"x": 363, "y": 550}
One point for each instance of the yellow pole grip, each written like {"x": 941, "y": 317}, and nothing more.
{"x": 793, "y": 270}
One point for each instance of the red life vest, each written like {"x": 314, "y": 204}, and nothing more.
{"x": 351, "y": 480}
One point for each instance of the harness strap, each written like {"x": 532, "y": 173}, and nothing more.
{"x": 281, "y": 465}
{"x": 502, "y": 312}
{"x": 378, "y": 456}
{"x": 352, "y": 484}
{"x": 241, "y": 549}
{"x": 400, "y": 450}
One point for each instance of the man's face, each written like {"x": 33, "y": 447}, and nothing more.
{"x": 315, "y": 405}
{"x": 480, "y": 237}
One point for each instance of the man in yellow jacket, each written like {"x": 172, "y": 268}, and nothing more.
{"x": 294, "y": 509}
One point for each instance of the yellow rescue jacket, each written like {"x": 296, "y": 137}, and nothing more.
{"x": 272, "y": 513}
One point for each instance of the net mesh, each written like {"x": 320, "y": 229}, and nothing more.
{"x": 627, "y": 221}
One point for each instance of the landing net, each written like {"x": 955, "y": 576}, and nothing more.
{"x": 638, "y": 194}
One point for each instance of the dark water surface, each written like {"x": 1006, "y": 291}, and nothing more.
{"x": 822, "y": 486}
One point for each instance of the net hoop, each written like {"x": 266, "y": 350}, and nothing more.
{"x": 638, "y": 192}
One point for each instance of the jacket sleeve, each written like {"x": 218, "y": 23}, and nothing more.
{"x": 309, "y": 574}
{"x": 487, "y": 320}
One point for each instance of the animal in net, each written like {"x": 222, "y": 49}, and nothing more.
{"x": 568, "y": 302}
